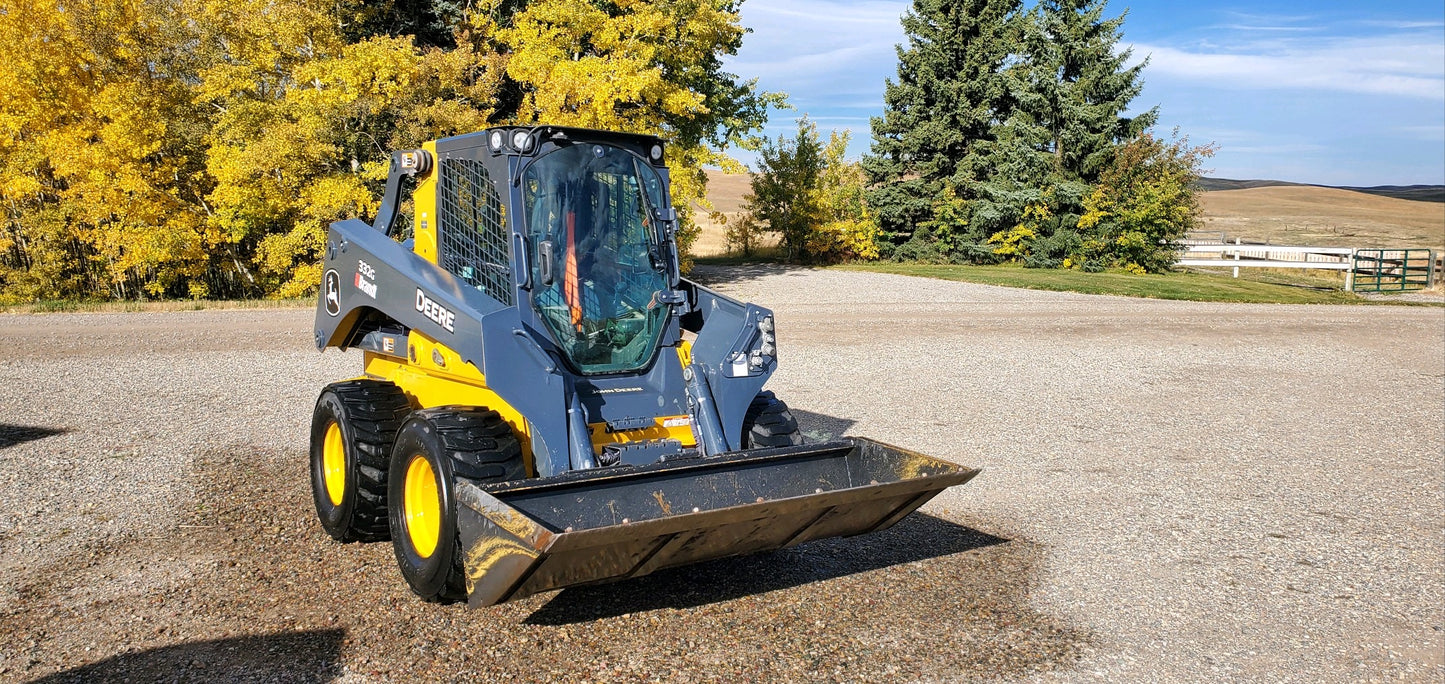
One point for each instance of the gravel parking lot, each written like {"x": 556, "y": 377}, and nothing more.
{"x": 1171, "y": 491}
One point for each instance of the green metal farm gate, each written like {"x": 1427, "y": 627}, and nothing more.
{"x": 1392, "y": 270}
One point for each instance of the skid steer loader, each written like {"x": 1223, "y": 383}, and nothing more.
{"x": 546, "y": 402}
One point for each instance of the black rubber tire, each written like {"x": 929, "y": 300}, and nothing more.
{"x": 769, "y": 423}
{"x": 473, "y": 443}
{"x": 368, "y": 412}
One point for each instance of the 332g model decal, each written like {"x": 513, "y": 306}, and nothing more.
{"x": 366, "y": 278}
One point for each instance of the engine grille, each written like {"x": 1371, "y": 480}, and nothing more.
{"x": 473, "y": 229}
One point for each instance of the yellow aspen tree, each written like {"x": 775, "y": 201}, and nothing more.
{"x": 306, "y": 122}
{"x": 174, "y": 148}
{"x": 98, "y": 157}
{"x": 642, "y": 66}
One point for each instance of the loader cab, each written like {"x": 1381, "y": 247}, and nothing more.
{"x": 599, "y": 277}
{"x": 542, "y": 282}
{"x": 574, "y": 227}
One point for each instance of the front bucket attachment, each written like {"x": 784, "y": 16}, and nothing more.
{"x": 521, "y": 538}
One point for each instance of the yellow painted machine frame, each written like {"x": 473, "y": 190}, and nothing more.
{"x": 433, "y": 375}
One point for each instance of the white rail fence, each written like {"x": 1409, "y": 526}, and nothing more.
{"x": 1378, "y": 263}
{"x": 1239, "y": 255}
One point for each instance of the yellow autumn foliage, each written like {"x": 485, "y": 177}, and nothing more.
{"x": 847, "y": 229}
{"x": 1015, "y": 243}
{"x": 199, "y": 148}
{"x": 97, "y": 175}
{"x": 631, "y": 65}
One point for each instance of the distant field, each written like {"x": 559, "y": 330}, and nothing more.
{"x": 1308, "y": 215}
{"x": 1280, "y": 214}
{"x": 725, "y": 191}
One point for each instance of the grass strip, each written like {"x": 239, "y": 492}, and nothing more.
{"x": 68, "y": 306}
{"x": 1189, "y": 286}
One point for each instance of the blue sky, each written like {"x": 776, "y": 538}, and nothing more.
{"x": 1340, "y": 93}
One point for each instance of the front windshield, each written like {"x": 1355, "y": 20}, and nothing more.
{"x": 591, "y": 202}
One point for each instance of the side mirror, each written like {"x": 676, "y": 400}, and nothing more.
{"x": 544, "y": 256}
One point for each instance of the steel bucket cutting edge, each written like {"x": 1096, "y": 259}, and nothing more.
{"x": 586, "y": 527}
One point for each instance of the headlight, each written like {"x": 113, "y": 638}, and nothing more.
{"x": 522, "y": 141}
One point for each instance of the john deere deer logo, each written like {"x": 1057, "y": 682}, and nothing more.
{"x": 333, "y": 293}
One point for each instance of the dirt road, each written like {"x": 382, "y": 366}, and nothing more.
{"x": 1171, "y": 490}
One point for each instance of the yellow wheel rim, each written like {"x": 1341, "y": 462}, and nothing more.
{"x": 333, "y": 463}
{"x": 422, "y": 506}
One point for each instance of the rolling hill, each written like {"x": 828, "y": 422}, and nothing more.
{"x": 1417, "y": 193}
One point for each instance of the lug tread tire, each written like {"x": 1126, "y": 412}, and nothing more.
{"x": 472, "y": 439}
{"x": 481, "y": 442}
{"x": 373, "y": 411}
{"x": 769, "y": 423}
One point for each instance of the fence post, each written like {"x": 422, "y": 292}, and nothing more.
{"x": 1236, "y": 256}
{"x": 1350, "y": 274}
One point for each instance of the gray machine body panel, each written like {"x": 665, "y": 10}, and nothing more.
{"x": 355, "y": 249}
{"x": 367, "y": 271}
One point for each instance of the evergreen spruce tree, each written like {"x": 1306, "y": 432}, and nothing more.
{"x": 947, "y": 98}
{"x": 1079, "y": 86}
{"x": 1070, "y": 88}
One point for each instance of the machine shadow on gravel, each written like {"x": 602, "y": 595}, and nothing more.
{"x": 819, "y": 427}
{"x": 288, "y": 656}
{"x": 10, "y": 435}
{"x": 919, "y": 537}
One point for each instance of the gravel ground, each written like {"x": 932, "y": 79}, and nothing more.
{"x": 1171, "y": 491}
{"x": 1433, "y": 296}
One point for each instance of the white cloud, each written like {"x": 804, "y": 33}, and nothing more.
{"x": 1431, "y": 133}
{"x": 830, "y": 56}
{"x": 1403, "y": 25}
{"x": 1269, "y": 18}
{"x": 1408, "y": 65}
{"x": 821, "y": 49}
{"x": 1252, "y": 27}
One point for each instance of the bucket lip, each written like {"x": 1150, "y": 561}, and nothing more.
{"x": 609, "y": 473}
{"x": 731, "y": 458}
{"x": 512, "y": 530}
